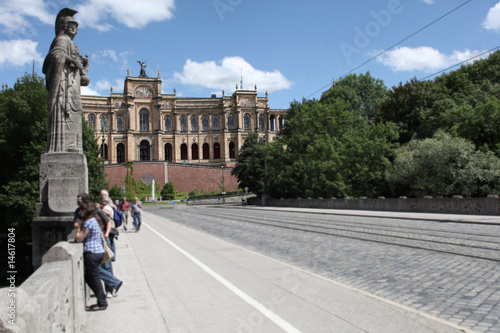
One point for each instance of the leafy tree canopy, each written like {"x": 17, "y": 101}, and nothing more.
{"x": 464, "y": 102}
{"x": 444, "y": 166}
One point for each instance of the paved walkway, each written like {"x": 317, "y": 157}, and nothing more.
{"x": 180, "y": 280}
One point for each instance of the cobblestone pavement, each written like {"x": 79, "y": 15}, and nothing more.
{"x": 460, "y": 289}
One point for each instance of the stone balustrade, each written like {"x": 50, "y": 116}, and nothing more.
{"x": 52, "y": 299}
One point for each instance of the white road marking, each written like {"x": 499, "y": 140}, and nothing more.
{"x": 261, "y": 308}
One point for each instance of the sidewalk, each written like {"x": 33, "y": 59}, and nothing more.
{"x": 180, "y": 280}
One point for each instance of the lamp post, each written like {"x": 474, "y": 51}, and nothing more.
{"x": 266, "y": 190}
{"x": 103, "y": 167}
{"x": 223, "y": 188}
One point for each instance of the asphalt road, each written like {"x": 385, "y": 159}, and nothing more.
{"x": 445, "y": 269}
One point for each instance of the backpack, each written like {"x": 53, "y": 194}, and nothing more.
{"x": 117, "y": 217}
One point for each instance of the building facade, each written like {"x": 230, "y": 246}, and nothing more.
{"x": 142, "y": 124}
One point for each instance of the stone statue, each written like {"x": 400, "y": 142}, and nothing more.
{"x": 65, "y": 71}
{"x": 143, "y": 68}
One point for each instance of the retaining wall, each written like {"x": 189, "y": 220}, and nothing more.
{"x": 455, "y": 205}
{"x": 52, "y": 299}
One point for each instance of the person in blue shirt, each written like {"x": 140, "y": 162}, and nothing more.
{"x": 89, "y": 232}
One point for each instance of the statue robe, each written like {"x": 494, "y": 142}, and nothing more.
{"x": 64, "y": 102}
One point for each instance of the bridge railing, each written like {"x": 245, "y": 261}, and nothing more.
{"x": 456, "y": 205}
{"x": 52, "y": 299}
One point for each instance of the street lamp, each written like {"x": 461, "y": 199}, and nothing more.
{"x": 266, "y": 190}
{"x": 103, "y": 167}
{"x": 223, "y": 188}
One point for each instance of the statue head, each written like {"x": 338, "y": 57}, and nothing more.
{"x": 63, "y": 20}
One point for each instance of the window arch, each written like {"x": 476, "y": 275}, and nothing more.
{"x": 184, "y": 151}
{"x": 273, "y": 123}
{"x": 104, "y": 122}
{"x": 120, "y": 153}
{"x": 168, "y": 124}
{"x": 206, "y": 151}
{"x": 120, "y": 123}
{"x": 183, "y": 121}
{"x": 91, "y": 119}
{"x": 144, "y": 120}
{"x": 216, "y": 150}
{"x": 246, "y": 121}
{"x": 194, "y": 123}
{"x": 261, "y": 122}
{"x": 144, "y": 150}
{"x": 168, "y": 152}
{"x": 215, "y": 123}
{"x": 204, "y": 123}
{"x": 194, "y": 152}
{"x": 230, "y": 122}
{"x": 232, "y": 150}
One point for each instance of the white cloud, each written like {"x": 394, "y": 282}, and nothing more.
{"x": 227, "y": 73}
{"x": 19, "y": 52}
{"x": 88, "y": 91}
{"x": 430, "y": 2}
{"x": 131, "y": 13}
{"x": 15, "y": 16}
{"x": 492, "y": 21}
{"x": 425, "y": 59}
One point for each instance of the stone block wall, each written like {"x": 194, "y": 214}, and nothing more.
{"x": 456, "y": 205}
{"x": 52, "y": 299}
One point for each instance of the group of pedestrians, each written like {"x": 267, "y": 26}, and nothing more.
{"x": 95, "y": 226}
{"x": 134, "y": 208}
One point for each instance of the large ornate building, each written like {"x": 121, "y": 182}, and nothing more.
{"x": 142, "y": 124}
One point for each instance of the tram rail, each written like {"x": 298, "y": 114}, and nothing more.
{"x": 468, "y": 244}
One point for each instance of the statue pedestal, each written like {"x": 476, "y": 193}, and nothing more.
{"x": 62, "y": 177}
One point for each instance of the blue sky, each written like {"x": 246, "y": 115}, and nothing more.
{"x": 289, "y": 48}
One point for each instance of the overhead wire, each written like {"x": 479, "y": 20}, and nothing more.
{"x": 391, "y": 47}
{"x": 460, "y": 63}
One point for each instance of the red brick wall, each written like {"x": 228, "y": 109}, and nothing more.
{"x": 186, "y": 178}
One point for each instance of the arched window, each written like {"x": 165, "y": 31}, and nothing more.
{"x": 194, "y": 123}
{"x": 230, "y": 122}
{"x": 144, "y": 150}
{"x": 261, "y": 122}
{"x": 144, "y": 120}
{"x": 184, "y": 125}
{"x": 273, "y": 123}
{"x": 215, "y": 123}
{"x": 216, "y": 150}
{"x": 232, "y": 150}
{"x": 194, "y": 152}
{"x": 168, "y": 124}
{"x": 246, "y": 121}
{"x": 119, "y": 123}
{"x": 104, "y": 122}
{"x": 204, "y": 123}
{"x": 184, "y": 151}
{"x": 120, "y": 153}
{"x": 92, "y": 121}
{"x": 168, "y": 152}
{"x": 206, "y": 151}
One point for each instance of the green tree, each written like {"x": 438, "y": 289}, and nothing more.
{"x": 362, "y": 93}
{"x": 23, "y": 138}
{"x": 168, "y": 192}
{"x": 97, "y": 176}
{"x": 330, "y": 151}
{"x": 444, "y": 166}
{"x": 250, "y": 167}
{"x": 464, "y": 102}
